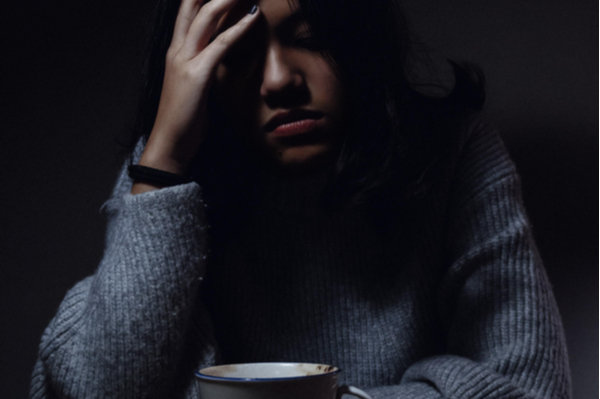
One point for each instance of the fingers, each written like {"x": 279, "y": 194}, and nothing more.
{"x": 213, "y": 54}
{"x": 203, "y": 26}
{"x": 188, "y": 9}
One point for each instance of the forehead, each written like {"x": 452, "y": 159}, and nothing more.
{"x": 274, "y": 13}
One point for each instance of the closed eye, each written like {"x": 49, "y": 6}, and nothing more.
{"x": 307, "y": 42}
{"x": 242, "y": 52}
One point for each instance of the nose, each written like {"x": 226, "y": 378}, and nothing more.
{"x": 280, "y": 75}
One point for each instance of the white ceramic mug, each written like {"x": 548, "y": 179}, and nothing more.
{"x": 273, "y": 381}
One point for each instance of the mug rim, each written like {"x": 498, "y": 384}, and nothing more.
{"x": 201, "y": 376}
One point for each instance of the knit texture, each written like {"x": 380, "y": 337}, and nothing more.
{"x": 464, "y": 311}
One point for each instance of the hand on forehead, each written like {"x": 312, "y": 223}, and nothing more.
{"x": 273, "y": 12}
{"x": 238, "y": 11}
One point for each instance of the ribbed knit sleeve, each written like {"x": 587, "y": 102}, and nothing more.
{"x": 135, "y": 329}
{"x": 504, "y": 337}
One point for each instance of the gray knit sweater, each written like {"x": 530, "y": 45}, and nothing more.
{"x": 466, "y": 312}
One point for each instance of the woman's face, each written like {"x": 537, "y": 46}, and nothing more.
{"x": 281, "y": 94}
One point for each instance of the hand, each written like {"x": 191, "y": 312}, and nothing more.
{"x": 191, "y": 61}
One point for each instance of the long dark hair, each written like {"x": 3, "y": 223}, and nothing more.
{"x": 403, "y": 134}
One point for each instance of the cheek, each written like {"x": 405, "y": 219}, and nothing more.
{"x": 235, "y": 97}
{"x": 325, "y": 86}
{"x": 226, "y": 88}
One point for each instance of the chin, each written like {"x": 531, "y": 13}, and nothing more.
{"x": 304, "y": 160}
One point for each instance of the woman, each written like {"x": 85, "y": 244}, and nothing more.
{"x": 353, "y": 221}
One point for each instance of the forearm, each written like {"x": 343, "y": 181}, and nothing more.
{"x": 123, "y": 331}
{"x": 502, "y": 329}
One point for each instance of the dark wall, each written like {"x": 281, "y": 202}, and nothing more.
{"x": 69, "y": 72}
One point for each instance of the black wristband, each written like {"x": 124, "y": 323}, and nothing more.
{"x": 156, "y": 176}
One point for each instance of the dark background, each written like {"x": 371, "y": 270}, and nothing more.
{"x": 69, "y": 76}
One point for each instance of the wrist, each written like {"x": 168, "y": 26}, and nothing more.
{"x": 163, "y": 157}
{"x": 148, "y": 178}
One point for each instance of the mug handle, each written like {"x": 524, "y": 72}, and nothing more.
{"x": 350, "y": 390}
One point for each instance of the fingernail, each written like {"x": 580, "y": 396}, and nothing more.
{"x": 253, "y": 10}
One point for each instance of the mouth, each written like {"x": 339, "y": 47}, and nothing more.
{"x": 293, "y": 122}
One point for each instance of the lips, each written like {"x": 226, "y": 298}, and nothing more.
{"x": 294, "y": 121}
